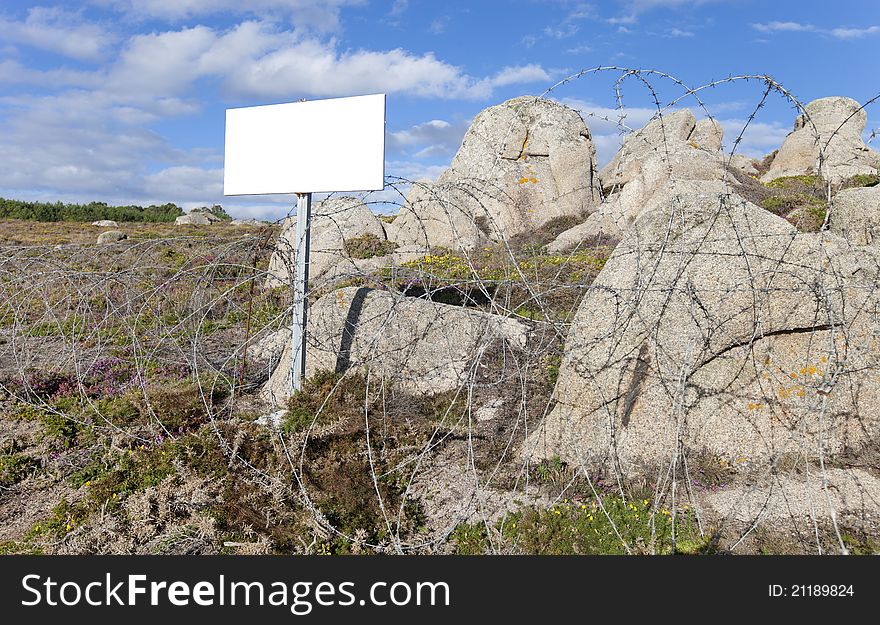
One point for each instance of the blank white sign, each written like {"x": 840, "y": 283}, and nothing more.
{"x": 306, "y": 147}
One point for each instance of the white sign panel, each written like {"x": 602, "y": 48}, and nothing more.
{"x": 306, "y": 147}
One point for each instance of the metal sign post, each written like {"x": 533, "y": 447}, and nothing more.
{"x": 300, "y": 292}
{"x": 320, "y": 146}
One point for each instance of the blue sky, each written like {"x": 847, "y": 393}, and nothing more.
{"x": 123, "y": 100}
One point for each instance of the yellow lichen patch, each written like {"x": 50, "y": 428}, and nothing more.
{"x": 794, "y": 391}
{"x": 754, "y": 406}
{"x": 525, "y": 180}
{"x": 809, "y": 371}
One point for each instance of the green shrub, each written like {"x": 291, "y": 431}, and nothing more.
{"x": 58, "y": 427}
{"x": 14, "y": 467}
{"x": 470, "y": 539}
{"x": 862, "y": 180}
{"x": 368, "y": 246}
{"x": 794, "y": 182}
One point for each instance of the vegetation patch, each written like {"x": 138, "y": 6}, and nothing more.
{"x": 14, "y": 467}
{"x": 610, "y": 525}
{"x": 801, "y": 200}
{"x": 368, "y": 246}
{"x": 93, "y": 211}
{"x": 861, "y": 180}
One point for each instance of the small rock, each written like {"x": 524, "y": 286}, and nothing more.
{"x": 105, "y": 223}
{"x": 193, "y": 219}
{"x": 111, "y": 236}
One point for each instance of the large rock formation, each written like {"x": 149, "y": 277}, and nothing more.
{"x": 423, "y": 346}
{"x": 334, "y": 221}
{"x": 716, "y": 328}
{"x": 672, "y": 155}
{"x": 521, "y": 164}
{"x": 664, "y": 135}
{"x": 835, "y": 125}
{"x": 856, "y": 215}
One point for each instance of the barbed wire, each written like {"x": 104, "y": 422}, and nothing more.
{"x": 440, "y": 372}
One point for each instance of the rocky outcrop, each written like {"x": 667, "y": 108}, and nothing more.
{"x": 521, "y": 164}
{"x": 743, "y": 164}
{"x": 105, "y": 223}
{"x": 334, "y": 221}
{"x": 856, "y": 215}
{"x": 422, "y": 346}
{"x": 111, "y": 236}
{"x": 716, "y": 328}
{"x": 671, "y": 156}
{"x": 835, "y": 125}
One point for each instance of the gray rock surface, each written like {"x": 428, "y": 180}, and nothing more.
{"x": 839, "y": 123}
{"x": 334, "y": 221}
{"x": 193, "y": 219}
{"x": 521, "y": 164}
{"x": 745, "y": 164}
{"x": 717, "y": 328}
{"x": 111, "y": 236}
{"x": 781, "y": 500}
{"x": 105, "y": 223}
{"x": 423, "y": 346}
{"x": 856, "y": 215}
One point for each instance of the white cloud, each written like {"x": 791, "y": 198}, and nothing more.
{"x": 315, "y": 68}
{"x": 839, "y": 33}
{"x": 432, "y": 139}
{"x": 398, "y": 7}
{"x": 319, "y": 14}
{"x": 854, "y": 33}
{"x": 759, "y": 138}
{"x": 59, "y": 31}
{"x": 580, "y": 49}
{"x": 185, "y": 183}
{"x": 562, "y": 32}
{"x": 678, "y": 32}
{"x": 634, "y": 8}
{"x": 414, "y": 170}
{"x": 13, "y": 72}
{"x": 771, "y": 27}
{"x": 439, "y": 25}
